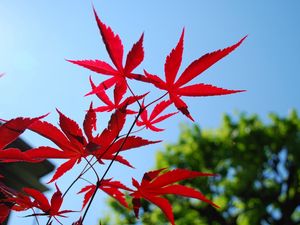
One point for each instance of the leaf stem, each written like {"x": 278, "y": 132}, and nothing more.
{"x": 156, "y": 100}
{"x": 110, "y": 164}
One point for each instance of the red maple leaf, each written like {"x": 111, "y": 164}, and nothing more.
{"x": 10, "y": 131}
{"x": 117, "y": 104}
{"x": 154, "y": 117}
{"x": 41, "y": 202}
{"x": 108, "y": 186}
{"x": 71, "y": 141}
{"x": 153, "y": 186}
{"x": 177, "y": 89}
{"x": 115, "y": 51}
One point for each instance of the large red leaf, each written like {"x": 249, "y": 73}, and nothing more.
{"x": 115, "y": 50}
{"x": 154, "y": 186}
{"x": 12, "y": 129}
{"x": 175, "y": 89}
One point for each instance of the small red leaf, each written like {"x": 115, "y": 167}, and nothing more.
{"x": 89, "y": 123}
{"x": 56, "y": 201}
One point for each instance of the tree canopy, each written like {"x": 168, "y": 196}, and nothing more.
{"x": 258, "y": 174}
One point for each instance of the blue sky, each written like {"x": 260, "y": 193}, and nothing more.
{"x": 37, "y": 36}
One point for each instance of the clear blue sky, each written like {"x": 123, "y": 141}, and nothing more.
{"x": 36, "y": 37}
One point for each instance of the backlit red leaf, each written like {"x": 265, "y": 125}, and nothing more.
{"x": 175, "y": 89}
{"x": 173, "y": 61}
{"x": 12, "y": 129}
{"x": 89, "y": 123}
{"x": 154, "y": 186}
{"x": 204, "y": 62}
{"x": 112, "y": 43}
{"x": 135, "y": 56}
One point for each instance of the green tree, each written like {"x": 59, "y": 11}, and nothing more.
{"x": 258, "y": 167}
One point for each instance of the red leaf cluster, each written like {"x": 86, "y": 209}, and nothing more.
{"x": 76, "y": 144}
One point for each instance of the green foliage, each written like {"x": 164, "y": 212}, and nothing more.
{"x": 258, "y": 180}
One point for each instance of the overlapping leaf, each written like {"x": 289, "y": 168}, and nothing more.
{"x": 41, "y": 202}
{"x": 117, "y": 104}
{"x": 177, "y": 89}
{"x": 154, "y": 117}
{"x": 74, "y": 145}
{"x": 110, "y": 187}
{"x": 10, "y": 131}
{"x": 153, "y": 186}
{"x": 71, "y": 141}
